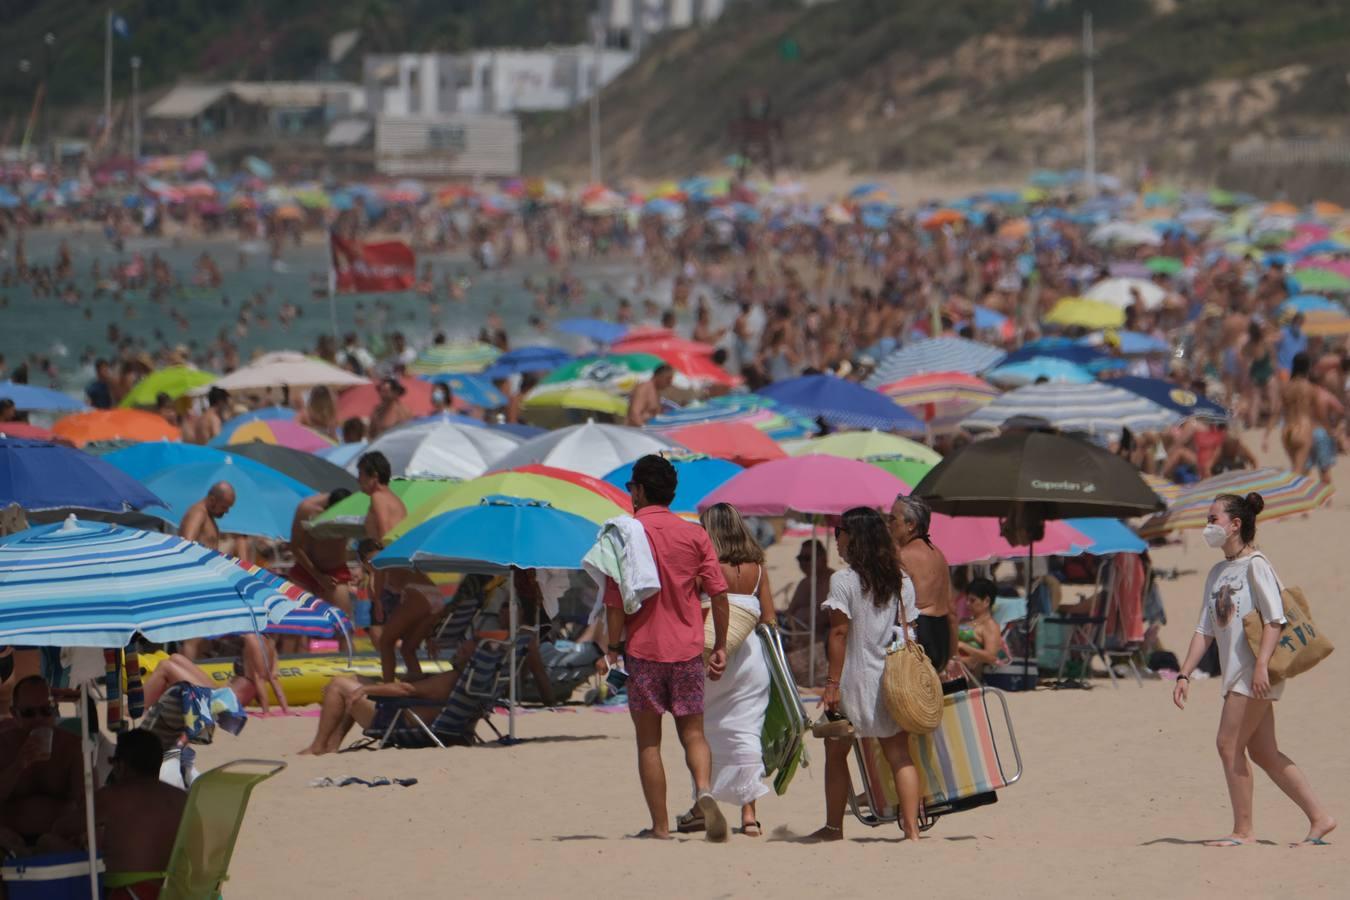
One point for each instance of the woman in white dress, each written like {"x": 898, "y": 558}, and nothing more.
{"x": 864, "y": 618}
{"x": 734, "y": 705}
{"x": 1244, "y": 581}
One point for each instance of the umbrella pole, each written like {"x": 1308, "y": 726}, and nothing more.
{"x": 811, "y": 654}
{"x": 1027, "y": 646}
{"x": 511, "y": 712}
{"x": 88, "y": 763}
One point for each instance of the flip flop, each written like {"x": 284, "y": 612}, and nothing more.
{"x": 647, "y": 834}
{"x": 1226, "y": 842}
{"x": 713, "y": 820}
{"x": 1313, "y": 842}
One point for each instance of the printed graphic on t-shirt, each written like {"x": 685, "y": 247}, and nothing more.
{"x": 1223, "y": 605}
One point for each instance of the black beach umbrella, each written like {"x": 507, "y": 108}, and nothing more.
{"x": 306, "y": 468}
{"x": 1028, "y": 476}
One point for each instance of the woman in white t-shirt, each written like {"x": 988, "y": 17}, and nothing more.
{"x": 1242, "y": 582}
{"x": 864, "y": 618}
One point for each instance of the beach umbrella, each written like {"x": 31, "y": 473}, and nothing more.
{"x": 1084, "y": 313}
{"x": 27, "y": 397}
{"x": 562, "y": 495}
{"x": 1321, "y": 280}
{"x": 1164, "y": 265}
{"x": 597, "y": 330}
{"x": 696, "y": 477}
{"x": 318, "y": 474}
{"x": 1030, "y": 371}
{"x": 777, "y": 421}
{"x": 737, "y": 442}
{"x": 1179, "y": 400}
{"x": 342, "y": 454}
{"x": 939, "y": 396}
{"x": 282, "y": 432}
{"x": 114, "y": 425}
{"x": 1104, "y": 537}
{"x": 941, "y": 354}
{"x": 593, "y": 449}
{"x": 472, "y": 390}
{"x": 841, "y": 402}
{"x": 516, "y": 429}
{"x": 175, "y": 381}
{"x": 264, "y": 503}
{"x": 1285, "y": 494}
{"x": 1306, "y": 303}
{"x": 441, "y": 359}
{"x": 144, "y": 461}
{"x": 617, "y": 373}
{"x": 266, "y": 413}
{"x": 39, "y": 475}
{"x": 978, "y": 539}
{"x": 1096, "y": 408}
{"x": 616, "y": 495}
{"x": 498, "y": 535}
{"x": 1131, "y": 343}
{"x": 813, "y": 485}
{"x": 27, "y": 430}
{"x": 862, "y": 445}
{"x": 347, "y": 517}
{"x": 287, "y": 368}
{"x": 695, "y": 365}
{"x": 1122, "y": 293}
{"x": 527, "y": 359}
{"x": 359, "y": 401}
{"x": 1129, "y": 234}
{"x": 442, "y": 450}
{"x": 910, "y": 471}
{"x": 584, "y": 399}
{"x": 1325, "y": 323}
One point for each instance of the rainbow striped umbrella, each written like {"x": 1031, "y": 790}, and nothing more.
{"x": 440, "y": 359}
{"x": 1285, "y": 493}
{"x": 941, "y": 398}
{"x": 1168, "y": 490}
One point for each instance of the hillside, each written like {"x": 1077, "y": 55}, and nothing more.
{"x": 972, "y": 86}
{"x": 249, "y": 39}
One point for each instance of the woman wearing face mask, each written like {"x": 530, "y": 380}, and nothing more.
{"x": 1241, "y": 582}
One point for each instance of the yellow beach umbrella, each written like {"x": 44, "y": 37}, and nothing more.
{"x": 587, "y": 399}
{"x": 1085, "y": 313}
{"x": 863, "y": 445}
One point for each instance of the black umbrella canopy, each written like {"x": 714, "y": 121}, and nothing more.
{"x": 306, "y": 468}
{"x": 1049, "y": 476}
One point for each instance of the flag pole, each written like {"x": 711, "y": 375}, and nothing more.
{"x": 107, "y": 75}
{"x": 332, "y": 290}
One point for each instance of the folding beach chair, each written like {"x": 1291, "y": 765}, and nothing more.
{"x": 961, "y": 765}
{"x": 397, "y": 724}
{"x": 785, "y": 721}
{"x": 200, "y": 861}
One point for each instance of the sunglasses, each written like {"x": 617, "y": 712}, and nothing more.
{"x": 35, "y": 712}
{"x": 838, "y": 530}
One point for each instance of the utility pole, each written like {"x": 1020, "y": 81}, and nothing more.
{"x": 44, "y": 129}
{"x": 1089, "y": 108}
{"x": 597, "y": 35}
{"x": 135, "y": 111}
{"x": 107, "y": 75}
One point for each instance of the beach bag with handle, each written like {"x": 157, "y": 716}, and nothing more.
{"x": 1302, "y": 644}
{"x": 910, "y": 685}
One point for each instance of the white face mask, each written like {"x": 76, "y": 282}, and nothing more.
{"x": 1214, "y": 535}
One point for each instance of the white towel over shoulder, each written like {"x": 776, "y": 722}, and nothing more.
{"x": 623, "y": 555}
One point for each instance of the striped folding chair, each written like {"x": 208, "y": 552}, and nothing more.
{"x": 961, "y": 765}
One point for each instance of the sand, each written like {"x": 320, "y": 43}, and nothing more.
{"x": 1119, "y": 788}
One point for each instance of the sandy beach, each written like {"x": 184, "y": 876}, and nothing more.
{"x": 1119, "y": 789}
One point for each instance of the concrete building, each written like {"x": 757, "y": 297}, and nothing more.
{"x": 447, "y": 145}
{"x": 285, "y": 108}
{"x": 487, "y": 81}
{"x": 631, "y": 23}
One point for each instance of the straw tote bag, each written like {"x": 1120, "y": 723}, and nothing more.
{"x": 910, "y": 685}
{"x": 1302, "y": 644}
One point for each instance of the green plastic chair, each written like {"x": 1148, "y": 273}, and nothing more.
{"x": 200, "y": 861}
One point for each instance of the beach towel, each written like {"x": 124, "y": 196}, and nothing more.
{"x": 623, "y": 554}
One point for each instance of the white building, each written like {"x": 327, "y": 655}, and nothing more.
{"x": 462, "y": 145}
{"x": 629, "y": 23}
{"x": 487, "y": 81}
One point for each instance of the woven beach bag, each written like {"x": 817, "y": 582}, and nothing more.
{"x": 740, "y": 626}
{"x": 1302, "y": 644}
{"x": 910, "y": 685}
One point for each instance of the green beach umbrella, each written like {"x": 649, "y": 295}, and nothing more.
{"x": 347, "y": 518}
{"x": 910, "y": 471}
{"x": 1321, "y": 280}
{"x": 1164, "y": 265}
{"x": 616, "y": 372}
{"x": 441, "y": 359}
{"x": 174, "y": 381}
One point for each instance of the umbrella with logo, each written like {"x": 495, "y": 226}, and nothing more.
{"x": 616, "y": 373}
{"x": 1182, "y": 401}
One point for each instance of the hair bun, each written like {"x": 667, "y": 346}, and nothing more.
{"x": 1256, "y": 503}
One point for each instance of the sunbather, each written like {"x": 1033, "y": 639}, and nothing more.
{"x": 981, "y": 641}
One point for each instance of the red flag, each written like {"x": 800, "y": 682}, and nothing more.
{"x": 359, "y": 267}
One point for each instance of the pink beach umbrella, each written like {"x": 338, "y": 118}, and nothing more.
{"x": 973, "y": 539}
{"x": 283, "y": 432}
{"x": 815, "y": 485}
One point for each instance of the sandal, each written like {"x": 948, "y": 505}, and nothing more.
{"x": 752, "y": 829}
{"x": 690, "y": 823}
{"x": 832, "y": 725}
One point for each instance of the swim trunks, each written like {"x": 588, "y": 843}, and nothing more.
{"x": 661, "y": 687}
{"x": 301, "y": 577}
{"x": 1323, "y": 453}
{"x": 934, "y": 635}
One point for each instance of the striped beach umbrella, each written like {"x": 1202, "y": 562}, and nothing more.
{"x": 440, "y": 359}
{"x": 1285, "y": 493}
{"x": 941, "y": 354}
{"x": 940, "y": 396}
{"x": 774, "y": 419}
{"x": 95, "y": 584}
{"x": 1097, "y": 408}
{"x": 1168, "y": 490}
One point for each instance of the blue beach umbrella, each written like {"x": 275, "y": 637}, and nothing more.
{"x": 40, "y": 475}
{"x": 942, "y": 354}
{"x": 1106, "y": 536}
{"x": 842, "y": 402}
{"x": 29, "y": 397}
{"x": 264, "y": 505}
{"x": 1304, "y": 303}
{"x": 473, "y": 389}
{"x": 527, "y": 359}
{"x": 598, "y": 330}
{"x": 1029, "y": 371}
{"x": 343, "y": 454}
{"x": 696, "y": 478}
{"x": 96, "y": 584}
{"x": 1170, "y": 396}
{"x": 1132, "y": 343}
{"x": 144, "y": 461}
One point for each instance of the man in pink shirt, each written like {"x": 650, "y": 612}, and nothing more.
{"x": 663, "y": 648}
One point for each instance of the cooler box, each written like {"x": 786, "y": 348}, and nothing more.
{"x": 50, "y": 876}
{"x": 1012, "y": 676}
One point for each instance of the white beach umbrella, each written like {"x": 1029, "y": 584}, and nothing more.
{"x": 1121, "y": 292}
{"x": 441, "y": 449}
{"x": 1128, "y": 233}
{"x": 591, "y": 449}
{"x": 289, "y": 369}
